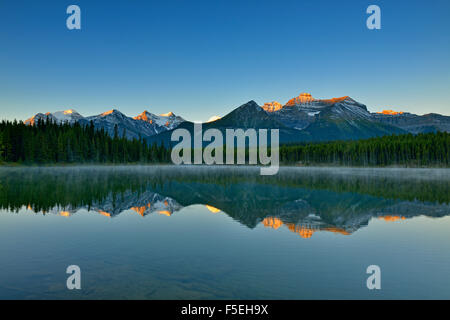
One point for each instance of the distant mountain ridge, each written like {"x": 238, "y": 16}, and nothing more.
{"x": 144, "y": 125}
{"x": 414, "y": 123}
{"x": 301, "y": 119}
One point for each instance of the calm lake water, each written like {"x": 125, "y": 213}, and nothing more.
{"x": 224, "y": 233}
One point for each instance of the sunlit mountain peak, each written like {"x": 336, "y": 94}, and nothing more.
{"x": 109, "y": 112}
{"x": 301, "y": 99}
{"x": 168, "y": 114}
{"x": 334, "y": 100}
{"x": 272, "y": 106}
{"x": 145, "y": 116}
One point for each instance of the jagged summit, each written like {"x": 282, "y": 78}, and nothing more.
{"x": 145, "y": 116}
{"x": 111, "y": 112}
{"x": 167, "y": 120}
{"x": 305, "y": 100}
{"x": 248, "y": 115}
{"x": 249, "y": 105}
{"x": 301, "y": 99}
{"x": 272, "y": 106}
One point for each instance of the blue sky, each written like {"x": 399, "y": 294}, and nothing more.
{"x": 204, "y": 58}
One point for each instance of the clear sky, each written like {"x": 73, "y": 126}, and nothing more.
{"x": 204, "y": 58}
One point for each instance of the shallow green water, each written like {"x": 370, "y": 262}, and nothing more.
{"x": 223, "y": 233}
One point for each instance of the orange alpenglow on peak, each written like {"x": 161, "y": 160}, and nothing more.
{"x": 168, "y": 114}
{"x": 302, "y": 98}
{"x": 108, "y": 112}
{"x": 144, "y": 117}
{"x": 334, "y": 100}
{"x": 272, "y": 106}
{"x": 70, "y": 111}
{"x": 390, "y": 112}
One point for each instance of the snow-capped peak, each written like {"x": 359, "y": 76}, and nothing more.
{"x": 167, "y": 120}
{"x": 69, "y": 116}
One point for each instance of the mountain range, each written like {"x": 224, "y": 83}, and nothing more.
{"x": 143, "y": 125}
{"x": 301, "y": 119}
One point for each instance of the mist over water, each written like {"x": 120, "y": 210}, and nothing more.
{"x": 214, "y": 232}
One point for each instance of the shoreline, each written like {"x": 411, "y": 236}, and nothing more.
{"x": 318, "y": 165}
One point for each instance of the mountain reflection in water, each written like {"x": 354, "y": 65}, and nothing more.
{"x": 305, "y": 200}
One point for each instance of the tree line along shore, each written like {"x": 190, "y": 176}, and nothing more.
{"x": 51, "y": 143}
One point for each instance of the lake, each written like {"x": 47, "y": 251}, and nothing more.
{"x": 166, "y": 232}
